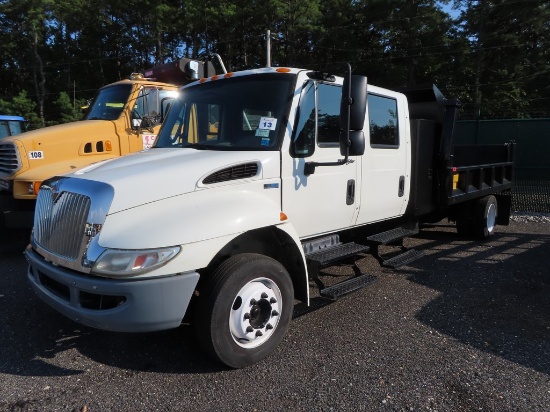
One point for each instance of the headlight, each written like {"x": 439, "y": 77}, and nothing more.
{"x": 132, "y": 262}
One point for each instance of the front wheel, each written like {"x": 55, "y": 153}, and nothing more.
{"x": 244, "y": 309}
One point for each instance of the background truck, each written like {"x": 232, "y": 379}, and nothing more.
{"x": 11, "y": 125}
{"x": 257, "y": 181}
{"x": 124, "y": 117}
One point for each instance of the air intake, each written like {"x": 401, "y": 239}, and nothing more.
{"x": 9, "y": 160}
{"x": 242, "y": 171}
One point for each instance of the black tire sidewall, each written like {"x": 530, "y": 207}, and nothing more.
{"x": 214, "y": 308}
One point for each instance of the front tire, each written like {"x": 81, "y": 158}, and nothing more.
{"x": 244, "y": 309}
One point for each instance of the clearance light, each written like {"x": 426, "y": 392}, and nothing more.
{"x": 215, "y": 77}
{"x": 455, "y": 181}
{"x": 108, "y": 145}
{"x": 203, "y": 80}
{"x": 282, "y": 70}
{"x": 283, "y": 216}
{"x": 228, "y": 75}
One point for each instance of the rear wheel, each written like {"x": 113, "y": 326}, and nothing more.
{"x": 244, "y": 309}
{"x": 484, "y": 217}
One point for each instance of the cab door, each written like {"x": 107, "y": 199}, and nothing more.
{"x": 324, "y": 201}
{"x": 385, "y": 166}
{"x": 147, "y": 114}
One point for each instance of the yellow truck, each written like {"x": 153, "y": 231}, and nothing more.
{"x": 124, "y": 117}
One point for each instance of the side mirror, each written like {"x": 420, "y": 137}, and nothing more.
{"x": 356, "y": 143}
{"x": 353, "y": 108}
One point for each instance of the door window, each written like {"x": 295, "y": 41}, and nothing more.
{"x": 384, "y": 131}
{"x": 318, "y": 120}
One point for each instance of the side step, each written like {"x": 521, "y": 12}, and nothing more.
{"x": 394, "y": 237}
{"x": 324, "y": 257}
{"x": 391, "y": 236}
{"x": 402, "y": 259}
{"x": 348, "y": 286}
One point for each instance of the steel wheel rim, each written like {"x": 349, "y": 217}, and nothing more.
{"x": 491, "y": 217}
{"x": 255, "y": 313}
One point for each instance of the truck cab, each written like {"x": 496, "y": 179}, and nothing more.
{"x": 124, "y": 117}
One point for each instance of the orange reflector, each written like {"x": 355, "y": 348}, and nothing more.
{"x": 283, "y": 216}
{"x": 36, "y": 187}
{"x": 227, "y": 75}
{"x": 203, "y": 80}
{"x": 108, "y": 145}
{"x": 215, "y": 77}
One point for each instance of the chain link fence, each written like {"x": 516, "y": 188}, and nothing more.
{"x": 531, "y": 184}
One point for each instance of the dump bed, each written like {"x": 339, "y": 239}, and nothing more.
{"x": 444, "y": 174}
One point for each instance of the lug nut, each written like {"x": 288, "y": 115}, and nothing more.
{"x": 249, "y": 329}
{"x": 264, "y": 295}
{"x": 272, "y": 300}
{"x": 274, "y": 313}
{"x": 259, "y": 333}
{"x": 252, "y": 302}
{"x": 268, "y": 326}
{"x": 246, "y": 316}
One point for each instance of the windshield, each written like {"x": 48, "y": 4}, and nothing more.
{"x": 241, "y": 113}
{"x": 109, "y": 102}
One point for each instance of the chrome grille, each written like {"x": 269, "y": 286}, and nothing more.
{"x": 9, "y": 159}
{"x": 59, "y": 222}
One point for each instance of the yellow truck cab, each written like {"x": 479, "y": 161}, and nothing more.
{"x": 124, "y": 117}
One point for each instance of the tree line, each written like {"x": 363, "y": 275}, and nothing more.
{"x": 494, "y": 55}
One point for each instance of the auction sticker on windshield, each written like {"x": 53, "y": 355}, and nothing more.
{"x": 268, "y": 123}
{"x": 4, "y": 184}
{"x": 36, "y": 155}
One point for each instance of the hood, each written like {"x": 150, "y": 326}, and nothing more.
{"x": 158, "y": 174}
{"x": 66, "y": 131}
{"x": 55, "y": 142}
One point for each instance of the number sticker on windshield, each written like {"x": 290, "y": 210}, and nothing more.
{"x": 36, "y": 155}
{"x": 267, "y": 123}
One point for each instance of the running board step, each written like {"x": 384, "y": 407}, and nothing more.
{"x": 391, "y": 235}
{"x": 402, "y": 259}
{"x": 330, "y": 255}
{"x": 346, "y": 287}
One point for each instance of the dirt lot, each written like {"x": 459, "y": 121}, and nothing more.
{"x": 465, "y": 328}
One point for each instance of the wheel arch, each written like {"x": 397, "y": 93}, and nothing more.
{"x": 276, "y": 242}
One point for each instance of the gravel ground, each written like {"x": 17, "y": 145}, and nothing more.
{"x": 465, "y": 328}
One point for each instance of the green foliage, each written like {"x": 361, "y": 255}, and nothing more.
{"x": 495, "y": 57}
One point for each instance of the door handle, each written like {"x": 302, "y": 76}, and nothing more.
{"x": 401, "y": 191}
{"x": 350, "y": 193}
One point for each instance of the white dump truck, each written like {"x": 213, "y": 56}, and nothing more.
{"x": 256, "y": 182}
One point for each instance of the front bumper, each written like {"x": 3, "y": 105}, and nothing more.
{"x": 122, "y": 305}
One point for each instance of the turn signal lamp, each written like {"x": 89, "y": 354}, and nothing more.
{"x": 34, "y": 188}
{"x": 283, "y": 216}
{"x": 282, "y": 70}
{"x": 108, "y": 146}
